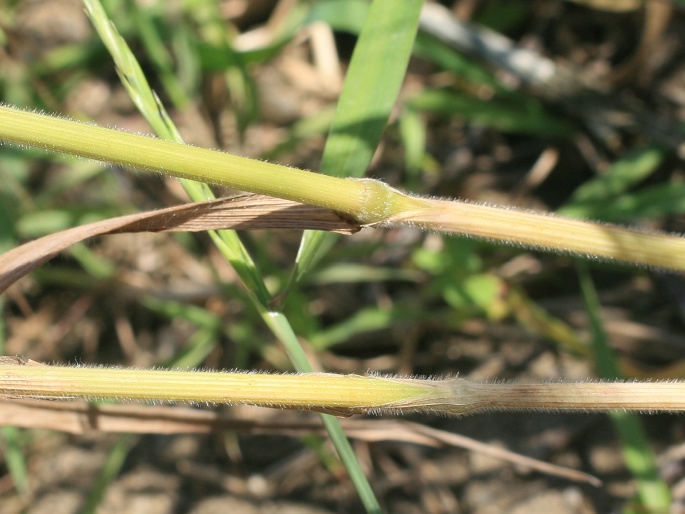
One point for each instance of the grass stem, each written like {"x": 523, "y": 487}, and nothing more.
{"x": 339, "y": 394}
{"x": 369, "y": 202}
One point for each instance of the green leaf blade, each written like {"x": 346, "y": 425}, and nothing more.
{"x": 369, "y": 94}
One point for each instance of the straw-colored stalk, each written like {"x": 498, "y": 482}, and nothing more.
{"x": 368, "y": 202}
{"x": 326, "y": 392}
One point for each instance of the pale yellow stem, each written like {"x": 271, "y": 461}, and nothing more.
{"x": 311, "y": 391}
{"x": 546, "y": 232}
{"x": 569, "y": 396}
{"x": 339, "y": 394}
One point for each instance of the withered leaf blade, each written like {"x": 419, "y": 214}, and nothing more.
{"x": 81, "y": 418}
{"x": 243, "y": 212}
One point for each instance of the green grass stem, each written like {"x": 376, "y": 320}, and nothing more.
{"x": 189, "y": 162}
{"x": 367, "y": 201}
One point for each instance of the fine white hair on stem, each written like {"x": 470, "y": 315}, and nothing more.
{"x": 336, "y": 394}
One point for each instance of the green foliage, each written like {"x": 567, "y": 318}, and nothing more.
{"x": 516, "y": 115}
{"x": 608, "y": 197}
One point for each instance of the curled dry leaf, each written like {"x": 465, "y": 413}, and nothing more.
{"x": 244, "y": 212}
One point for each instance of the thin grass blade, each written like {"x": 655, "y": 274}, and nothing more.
{"x": 110, "y": 471}
{"x": 280, "y": 326}
{"x": 653, "y": 493}
{"x": 148, "y": 104}
{"x": 369, "y": 93}
{"x": 160, "y": 57}
{"x": 232, "y": 248}
{"x": 15, "y": 460}
{"x": 594, "y": 195}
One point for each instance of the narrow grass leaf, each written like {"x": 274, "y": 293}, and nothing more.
{"x": 160, "y": 57}
{"x": 110, "y": 471}
{"x": 538, "y": 321}
{"x": 646, "y": 204}
{"x": 131, "y": 74}
{"x": 363, "y": 321}
{"x": 194, "y": 314}
{"x": 414, "y": 138}
{"x": 235, "y": 64}
{"x": 147, "y": 102}
{"x": 623, "y": 174}
{"x": 200, "y": 345}
{"x": 316, "y": 125}
{"x": 349, "y": 459}
{"x": 462, "y": 66}
{"x": 279, "y": 325}
{"x": 95, "y": 265}
{"x": 341, "y": 15}
{"x": 653, "y": 493}
{"x": 343, "y": 273}
{"x": 373, "y": 81}
{"x": 228, "y": 242}
{"x": 15, "y": 460}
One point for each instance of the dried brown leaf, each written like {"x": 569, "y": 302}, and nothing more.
{"x": 81, "y": 418}
{"x": 242, "y": 212}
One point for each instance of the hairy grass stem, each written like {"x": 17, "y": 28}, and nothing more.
{"x": 338, "y": 394}
{"x": 369, "y": 202}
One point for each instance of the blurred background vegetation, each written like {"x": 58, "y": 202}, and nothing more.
{"x": 551, "y": 105}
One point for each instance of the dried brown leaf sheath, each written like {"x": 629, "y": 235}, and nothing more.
{"x": 244, "y": 212}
